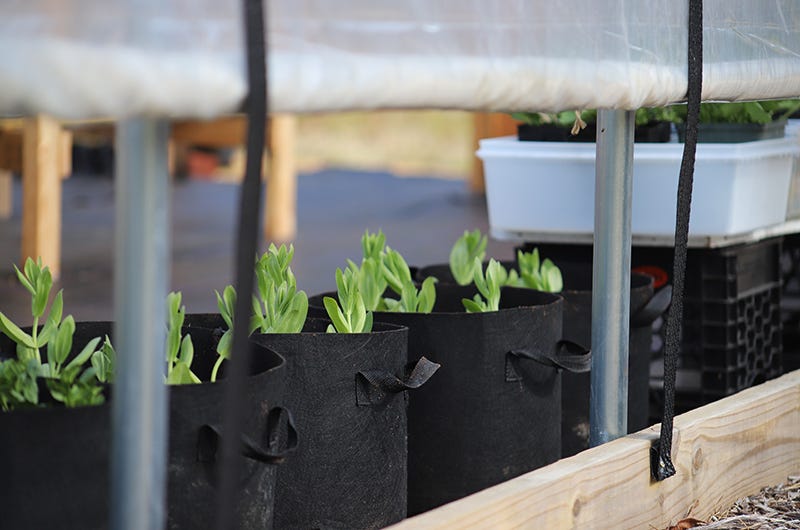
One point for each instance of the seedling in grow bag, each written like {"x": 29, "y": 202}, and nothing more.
{"x": 469, "y": 246}
{"x": 70, "y": 383}
{"x": 398, "y": 276}
{"x": 371, "y": 281}
{"x": 542, "y": 276}
{"x": 180, "y": 352}
{"x": 352, "y": 315}
{"x": 279, "y": 307}
{"x": 489, "y": 286}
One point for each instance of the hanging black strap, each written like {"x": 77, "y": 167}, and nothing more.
{"x": 661, "y": 461}
{"x": 231, "y": 463}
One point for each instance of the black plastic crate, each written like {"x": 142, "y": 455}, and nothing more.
{"x": 732, "y": 324}
{"x": 790, "y": 302}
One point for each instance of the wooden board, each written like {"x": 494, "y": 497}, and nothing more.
{"x": 722, "y": 452}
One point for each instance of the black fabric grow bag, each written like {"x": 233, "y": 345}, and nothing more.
{"x": 644, "y": 310}
{"x": 577, "y": 327}
{"x": 60, "y": 456}
{"x": 350, "y": 470}
{"x": 490, "y": 414}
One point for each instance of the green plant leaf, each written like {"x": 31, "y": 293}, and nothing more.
{"x": 335, "y": 314}
{"x": 13, "y": 332}
{"x": 24, "y": 281}
{"x": 469, "y": 246}
{"x": 187, "y": 351}
{"x": 471, "y": 306}
{"x": 224, "y": 345}
{"x": 53, "y": 320}
{"x": 43, "y": 285}
{"x": 427, "y": 295}
{"x": 84, "y": 355}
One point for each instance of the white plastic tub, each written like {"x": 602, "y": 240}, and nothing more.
{"x": 549, "y": 186}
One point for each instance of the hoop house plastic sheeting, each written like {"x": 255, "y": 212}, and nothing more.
{"x": 85, "y": 58}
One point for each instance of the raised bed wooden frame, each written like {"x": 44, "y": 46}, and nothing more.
{"x": 722, "y": 451}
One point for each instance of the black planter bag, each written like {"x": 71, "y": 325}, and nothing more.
{"x": 345, "y": 393}
{"x": 60, "y": 456}
{"x": 491, "y": 413}
{"x": 644, "y": 310}
{"x": 577, "y": 327}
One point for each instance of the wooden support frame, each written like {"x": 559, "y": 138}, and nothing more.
{"x": 41, "y": 191}
{"x": 723, "y": 451}
{"x": 280, "y": 212}
{"x": 487, "y": 126}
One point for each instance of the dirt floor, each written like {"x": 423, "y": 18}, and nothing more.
{"x": 773, "y": 508}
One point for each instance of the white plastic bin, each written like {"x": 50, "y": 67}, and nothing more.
{"x": 549, "y": 186}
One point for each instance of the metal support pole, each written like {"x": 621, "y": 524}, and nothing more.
{"x": 611, "y": 277}
{"x": 141, "y": 271}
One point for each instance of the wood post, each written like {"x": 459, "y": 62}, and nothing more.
{"x": 280, "y": 215}
{"x": 487, "y": 126}
{"x": 41, "y": 196}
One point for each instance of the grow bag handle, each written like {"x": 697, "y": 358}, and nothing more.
{"x": 567, "y": 356}
{"x": 654, "y": 308}
{"x": 209, "y": 439}
{"x": 416, "y": 375}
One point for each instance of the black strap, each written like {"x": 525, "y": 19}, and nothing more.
{"x": 567, "y": 356}
{"x": 230, "y": 463}
{"x": 372, "y": 386}
{"x": 209, "y": 437}
{"x": 661, "y": 461}
{"x": 653, "y": 309}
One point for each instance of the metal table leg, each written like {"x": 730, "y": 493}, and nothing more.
{"x": 139, "y": 442}
{"x": 611, "y": 277}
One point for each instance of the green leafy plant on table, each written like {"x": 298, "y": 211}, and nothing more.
{"x": 72, "y": 382}
{"x": 747, "y": 112}
{"x": 278, "y": 308}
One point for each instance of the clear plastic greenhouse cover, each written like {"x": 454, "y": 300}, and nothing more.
{"x": 110, "y": 58}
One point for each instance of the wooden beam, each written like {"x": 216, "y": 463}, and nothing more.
{"x": 487, "y": 126}
{"x": 65, "y": 154}
{"x": 221, "y": 132}
{"x": 722, "y": 452}
{"x": 41, "y": 195}
{"x": 280, "y": 215}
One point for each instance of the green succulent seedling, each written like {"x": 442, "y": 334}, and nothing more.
{"x": 348, "y": 315}
{"x": 489, "y": 286}
{"x": 179, "y": 350}
{"x": 398, "y": 276}
{"x": 71, "y": 382}
{"x": 542, "y": 276}
{"x": 38, "y": 281}
{"x": 278, "y": 308}
{"x": 18, "y": 386}
{"x": 371, "y": 281}
{"x": 469, "y": 246}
